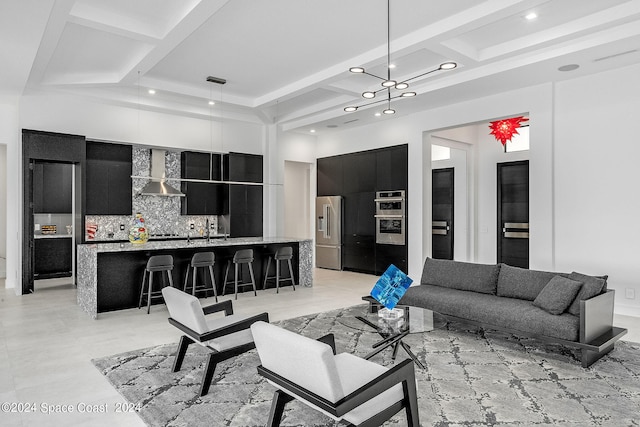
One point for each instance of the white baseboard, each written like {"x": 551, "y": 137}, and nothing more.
{"x": 627, "y": 310}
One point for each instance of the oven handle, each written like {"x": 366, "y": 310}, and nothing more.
{"x": 388, "y": 216}
{"x": 389, "y": 199}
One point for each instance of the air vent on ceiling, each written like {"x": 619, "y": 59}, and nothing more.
{"x": 332, "y": 126}
{"x": 351, "y": 121}
{"x": 216, "y": 80}
{"x": 615, "y": 55}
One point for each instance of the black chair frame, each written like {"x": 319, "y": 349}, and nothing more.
{"x": 403, "y": 372}
{"x": 215, "y": 357}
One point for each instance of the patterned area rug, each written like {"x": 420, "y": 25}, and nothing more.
{"x": 472, "y": 378}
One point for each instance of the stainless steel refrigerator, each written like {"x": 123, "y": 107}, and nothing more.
{"x": 329, "y": 232}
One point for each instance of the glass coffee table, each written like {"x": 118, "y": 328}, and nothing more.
{"x": 393, "y": 330}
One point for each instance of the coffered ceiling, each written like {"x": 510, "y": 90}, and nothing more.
{"x": 287, "y": 61}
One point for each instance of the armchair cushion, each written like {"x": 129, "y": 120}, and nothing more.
{"x": 230, "y": 340}
{"x": 304, "y": 361}
{"x": 185, "y": 308}
{"x": 356, "y": 372}
{"x": 312, "y": 365}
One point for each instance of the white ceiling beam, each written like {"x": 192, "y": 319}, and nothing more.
{"x": 198, "y": 16}
{"x": 601, "y": 19}
{"x": 49, "y": 41}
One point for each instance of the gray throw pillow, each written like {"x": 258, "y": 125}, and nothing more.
{"x": 557, "y": 295}
{"x": 592, "y": 286}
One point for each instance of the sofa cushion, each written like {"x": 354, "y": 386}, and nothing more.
{"x": 491, "y": 310}
{"x": 515, "y": 282}
{"x": 465, "y": 276}
{"x": 591, "y": 287}
{"x": 557, "y": 295}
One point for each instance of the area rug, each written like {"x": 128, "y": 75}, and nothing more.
{"x": 472, "y": 378}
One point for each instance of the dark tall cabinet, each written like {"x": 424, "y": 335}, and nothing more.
{"x": 201, "y": 198}
{"x": 108, "y": 179}
{"x": 244, "y": 201}
{"x": 356, "y": 177}
{"x": 52, "y": 187}
{"x": 240, "y": 203}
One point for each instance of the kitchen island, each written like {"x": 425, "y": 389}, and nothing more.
{"x": 109, "y": 275}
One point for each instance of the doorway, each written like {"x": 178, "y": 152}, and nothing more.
{"x": 442, "y": 216}
{"x": 297, "y": 200}
{"x": 513, "y": 213}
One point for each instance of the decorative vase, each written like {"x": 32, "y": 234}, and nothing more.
{"x": 138, "y": 232}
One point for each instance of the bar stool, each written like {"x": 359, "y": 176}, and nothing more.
{"x": 284, "y": 253}
{"x": 204, "y": 260}
{"x": 242, "y": 256}
{"x": 155, "y": 263}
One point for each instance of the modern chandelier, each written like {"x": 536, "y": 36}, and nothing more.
{"x": 388, "y": 83}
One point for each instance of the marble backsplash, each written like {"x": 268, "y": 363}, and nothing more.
{"x": 161, "y": 214}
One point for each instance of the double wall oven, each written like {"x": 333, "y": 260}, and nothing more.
{"x": 390, "y": 217}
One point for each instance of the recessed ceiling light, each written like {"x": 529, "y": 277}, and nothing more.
{"x": 531, "y": 16}
{"x": 152, "y": 92}
{"x": 212, "y": 103}
{"x": 312, "y": 131}
{"x": 377, "y": 114}
{"x": 392, "y": 66}
{"x": 569, "y": 67}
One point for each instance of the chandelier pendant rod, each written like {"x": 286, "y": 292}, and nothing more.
{"x": 388, "y": 40}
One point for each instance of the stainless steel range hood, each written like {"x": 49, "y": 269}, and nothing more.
{"x": 157, "y": 185}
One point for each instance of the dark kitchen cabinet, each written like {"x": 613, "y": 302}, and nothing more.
{"x": 202, "y": 198}
{"x": 205, "y": 166}
{"x": 359, "y": 232}
{"x": 357, "y": 177}
{"x": 244, "y": 207}
{"x": 390, "y": 254}
{"x": 52, "y": 187}
{"x": 330, "y": 176}
{"x": 52, "y": 257}
{"x": 392, "y": 168}
{"x": 359, "y": 172}
{"x": 241, "y": 167}
{"x": 108, "y": 179}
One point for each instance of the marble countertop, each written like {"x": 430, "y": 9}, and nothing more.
{"x": 184, "y": 244}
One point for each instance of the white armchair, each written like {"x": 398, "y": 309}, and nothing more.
{"x": 225, "y": 337}
{"x": 344, "y": 387}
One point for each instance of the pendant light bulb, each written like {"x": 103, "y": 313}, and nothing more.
{"x": 368, "y": 95}
{"x": 357, "y": 70}
{"x": 350, "y": 109}
{"x": 402, "y": 85}
{"x": 389, "y": 83}
{"x": 389, "y": 111}
{"x": 448, "y": 65}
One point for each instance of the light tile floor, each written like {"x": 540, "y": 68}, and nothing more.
{"x": 47, "y": 343}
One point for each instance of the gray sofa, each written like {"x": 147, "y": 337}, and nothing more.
{"x": 572, "y": 309}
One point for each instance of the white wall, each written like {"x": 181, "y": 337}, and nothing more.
{"x": 297, "y": 196}
{"x": 76, "y": 115}
{"x": 10, "y": 137}
{"x": 597, "y": 175}
{"x": 3, "y": 201}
